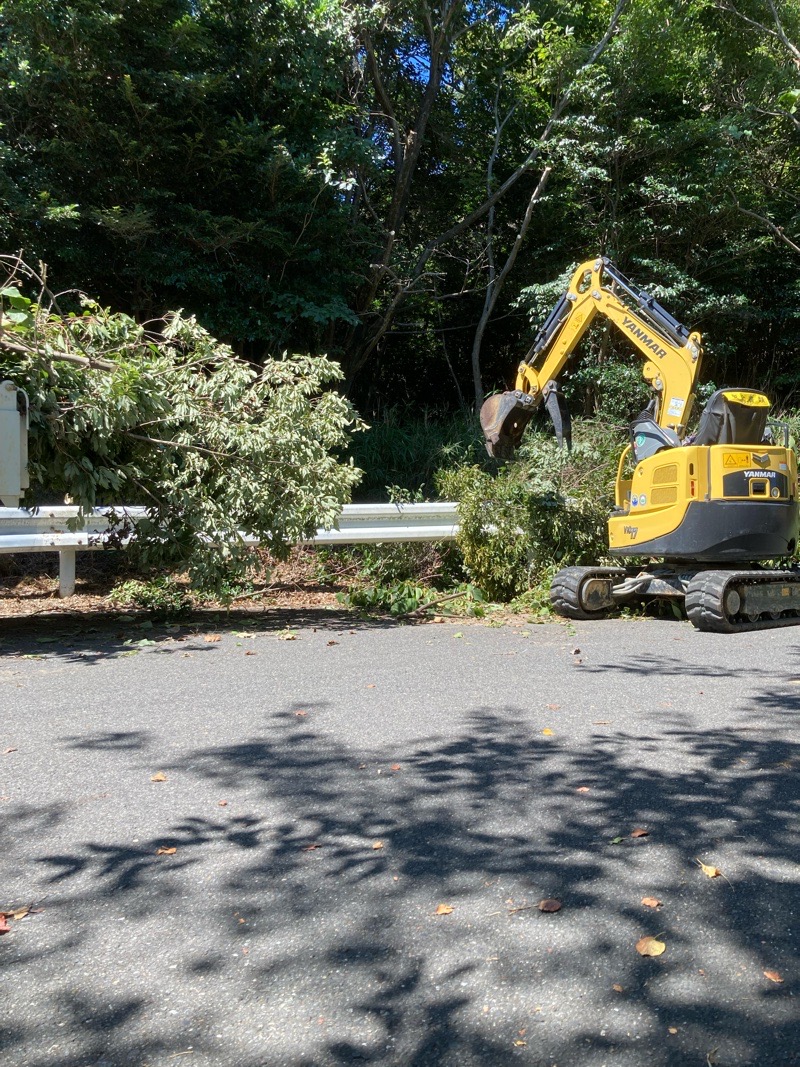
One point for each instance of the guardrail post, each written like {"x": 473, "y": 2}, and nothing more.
{"x": 66, "y": 571}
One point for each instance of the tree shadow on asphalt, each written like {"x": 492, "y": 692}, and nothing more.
{"x": 91, "y": 637}
{"x": 342, "y": 947}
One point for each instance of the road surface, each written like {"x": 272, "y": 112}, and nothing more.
{"x": 330, "y": 783}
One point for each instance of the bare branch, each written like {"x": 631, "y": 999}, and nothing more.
{"x": 777, "y": 231}
{"x": 474, "y": 216}
{"x": 778, "y": 33}
{"x": 60, "y": 357}
{"x": 386, "y": 103}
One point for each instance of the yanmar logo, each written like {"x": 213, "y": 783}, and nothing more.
{"x": 631, "y": 531}
{"x": 646, "y": 339}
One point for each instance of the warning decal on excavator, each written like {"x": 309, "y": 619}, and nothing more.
{"x": 737, "y": 459}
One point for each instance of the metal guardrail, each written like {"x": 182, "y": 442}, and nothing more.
{"x": 47, "y": 530}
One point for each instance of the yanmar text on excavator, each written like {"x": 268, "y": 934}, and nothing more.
{"x": 711, "y": 505}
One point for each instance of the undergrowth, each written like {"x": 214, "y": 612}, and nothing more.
{"x": 405, "y": 449}
{"x": 519, "y": 523}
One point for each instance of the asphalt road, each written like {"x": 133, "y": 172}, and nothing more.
{"x": 325, "y": 794}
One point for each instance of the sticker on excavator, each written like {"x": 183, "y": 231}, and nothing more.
{"x": 737, "y": 459}
{"x": 751, "y": 400}
{"x": 675, "y": 408}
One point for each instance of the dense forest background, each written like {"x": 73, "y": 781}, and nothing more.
{"x": 406, "y": 185}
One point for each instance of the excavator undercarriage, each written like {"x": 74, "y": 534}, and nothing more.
{"x": 720, "y": 601}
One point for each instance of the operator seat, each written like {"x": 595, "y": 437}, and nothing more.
{"x": 733, "y": 417}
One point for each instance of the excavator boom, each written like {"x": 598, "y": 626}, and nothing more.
{"x": 672, "y": 356}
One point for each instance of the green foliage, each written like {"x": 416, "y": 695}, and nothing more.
{"x": 544, "y": 510}
{"x": 403, "y": 447}
{"x": 278, "y": 170}
{"x": 163, "y": 597}
{"x": 408, "y": 597}
{"x": 399, "y": 598}
{"x": 171, "y": 154}
{"x": 175, "y": 422}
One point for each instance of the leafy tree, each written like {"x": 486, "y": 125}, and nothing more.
{"x": 169, "y": 153}
{"x": 173, "y": 421}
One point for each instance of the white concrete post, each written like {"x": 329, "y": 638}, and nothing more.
{"x": 66, "y": 571}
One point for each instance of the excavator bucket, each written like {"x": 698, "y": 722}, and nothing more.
{"x": 503, "y": 420}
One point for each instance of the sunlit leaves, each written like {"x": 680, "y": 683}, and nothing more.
{"x": 175, "y": 422}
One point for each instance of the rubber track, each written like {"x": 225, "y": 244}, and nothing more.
{"x": 565, "y": 590}
{"x": 706, "y": 594}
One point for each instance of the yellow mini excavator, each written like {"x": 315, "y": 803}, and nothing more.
{"x": 712, "y": 505}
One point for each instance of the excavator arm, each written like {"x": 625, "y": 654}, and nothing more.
{"x": 598, "y": 289}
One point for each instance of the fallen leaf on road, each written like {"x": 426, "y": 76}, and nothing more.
{"x": 287, "y": 636}
{"x": 212, "y": 639}
{"x": 159, "y": 776}
{"x": 708, "y": 870}
{"x": 617, "y": 840}
{"x": 651, "y": 902}
{"x": 617, "y": 988}
{"x": 554, "y": 707}
{"x": 459, "y": 634}
{"x": 20, "y": 913}
{"x": 166, "y": 851}
{"x": 773, "y": 976}
{"x": 376, "y": 845}
{"x": 547, "y": 731}
{"x": 371, "y": 685}
{"x": 310, "y": 848}
{"x": 638, "y": 832}
{"x": 7, "y": 750}
{"x": 650, "y": 946}
{"x": 549, "y": 904}
{"x": 672, "y": 1029}
{"x": 520, "y": 1044}
{"x": 582, "y": 789}
{"x": 250, "y": 653}
{"x": 301, "y": 714}
{"x": 222, "y": 803}
{"x": 396, "y": 767}
{"x": 4, "y": 927}
{"x": 443, "y": 909}
{"x": 333, "y": 643}
{"x": 576, "y": 652}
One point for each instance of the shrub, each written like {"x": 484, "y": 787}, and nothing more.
{"x": 547, "y": 509}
